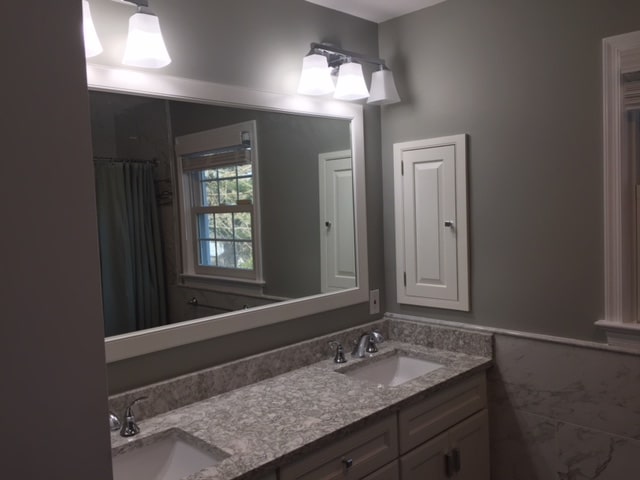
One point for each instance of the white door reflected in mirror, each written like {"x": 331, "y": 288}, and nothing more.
{"x": 337, "y": 234}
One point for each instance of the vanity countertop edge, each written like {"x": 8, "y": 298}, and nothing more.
{"x": 270, "y": 423}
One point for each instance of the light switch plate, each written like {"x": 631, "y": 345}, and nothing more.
{"x": 374, "y": 301}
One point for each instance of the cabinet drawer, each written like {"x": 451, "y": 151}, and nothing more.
{"x": 388, "y": 472}
{"x": 435, "y": 414}
{"x": 367, "y": 450}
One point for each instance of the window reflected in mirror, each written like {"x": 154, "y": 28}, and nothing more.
{"x": 205, "y": 210}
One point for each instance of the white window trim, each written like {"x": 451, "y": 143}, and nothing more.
{"x": 193, "y": 143}
{"x": 621, "y": 54}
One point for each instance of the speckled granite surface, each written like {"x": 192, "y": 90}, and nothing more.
{"x": 440, "y": 337}
{"x": 264, "y": 425}
{"x": 186, "y": 389}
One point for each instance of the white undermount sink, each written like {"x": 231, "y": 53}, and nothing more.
{"x": 392, "y": 370}
{"x": 171, "y": 455}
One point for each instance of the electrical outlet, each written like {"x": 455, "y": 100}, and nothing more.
{"x": 374, "y": 301}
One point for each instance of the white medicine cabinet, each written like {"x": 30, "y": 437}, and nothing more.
{"x": 430, "y": 190}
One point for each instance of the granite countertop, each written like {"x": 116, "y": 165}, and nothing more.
{"x": 267, "y": 424}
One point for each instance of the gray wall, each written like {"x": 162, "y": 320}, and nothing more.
{"x": 260, "y": 45}
{"x": 51, "y": 348}
{"x": 522, "y": 78}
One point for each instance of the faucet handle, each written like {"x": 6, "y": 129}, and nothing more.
{"x": 129, "y": 425}
{"x": 339, "y": 358}
{"x": 114, "y": 422}
{"x": 375, "y": 337}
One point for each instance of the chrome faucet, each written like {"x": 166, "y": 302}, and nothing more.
{"x": 114, "y": 422}
{"x": 129, "y": 425}
{"x": 339, "y": 357}
{"x": 367, "y": 344}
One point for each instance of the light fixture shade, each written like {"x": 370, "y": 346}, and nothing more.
{"x": 315, "y": 78}
{"x": 351, "y": 85}
{"x": 92, "y": 45}
{"x": 145, "y": 45}
{"x": 383, "y": 88}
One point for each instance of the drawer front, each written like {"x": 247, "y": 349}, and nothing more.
{"x": 388, "y": 472}
{"x": 425, "y": 420}
{"x": 353, "y": 457}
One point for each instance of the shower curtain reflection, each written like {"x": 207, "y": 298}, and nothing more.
{"x": 133, "y": 285}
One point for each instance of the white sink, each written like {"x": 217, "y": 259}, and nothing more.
{"x": 171, "y": 455}
{"x": 393, "y": 370}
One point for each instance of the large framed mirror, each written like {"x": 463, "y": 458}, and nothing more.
{"x": 259, "y": 207}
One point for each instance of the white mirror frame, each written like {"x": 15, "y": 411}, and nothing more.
{"x": 109, "y": 79}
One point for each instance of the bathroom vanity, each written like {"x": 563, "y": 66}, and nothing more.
{"x": 320, "y": 420}
{"x": 432, "y": 439}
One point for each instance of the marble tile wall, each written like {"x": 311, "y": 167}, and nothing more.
{"x": 563, "y": 412}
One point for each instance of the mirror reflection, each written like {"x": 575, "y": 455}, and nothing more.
{"x": 205, "y": 209}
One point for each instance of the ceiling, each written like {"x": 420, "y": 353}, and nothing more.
{"x": 376, "y": 10}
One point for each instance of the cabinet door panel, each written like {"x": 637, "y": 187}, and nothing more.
{"x": 427, "y": 462}
{"x": 429, "y": 201}
{"x": 471, "y": 440}
{"x": 431, "y": 222}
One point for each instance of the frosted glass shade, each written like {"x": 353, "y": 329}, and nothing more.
{"x": 351, "y": 85}
{"x": 92, "y": 45}
{"x": 145, "y": 45}
{"x": 383, "y": 88}
{"x": 315, "y": 78}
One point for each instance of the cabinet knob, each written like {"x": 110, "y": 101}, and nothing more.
{"x": 348, "y": 462}
{"x": 448, "y": 223}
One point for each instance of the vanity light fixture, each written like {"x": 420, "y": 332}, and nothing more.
{"x": 351, "y": 85}
{"x": 145, "y": 45}
{"x": 92, "y": 45}
{"x": 383, "y": 88}
{"x": 315, "y": 78}
{"x": 325, "y": 60}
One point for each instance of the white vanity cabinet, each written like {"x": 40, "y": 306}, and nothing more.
{"x": 446, "y": 436}
{"x": 460, "y": 453}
